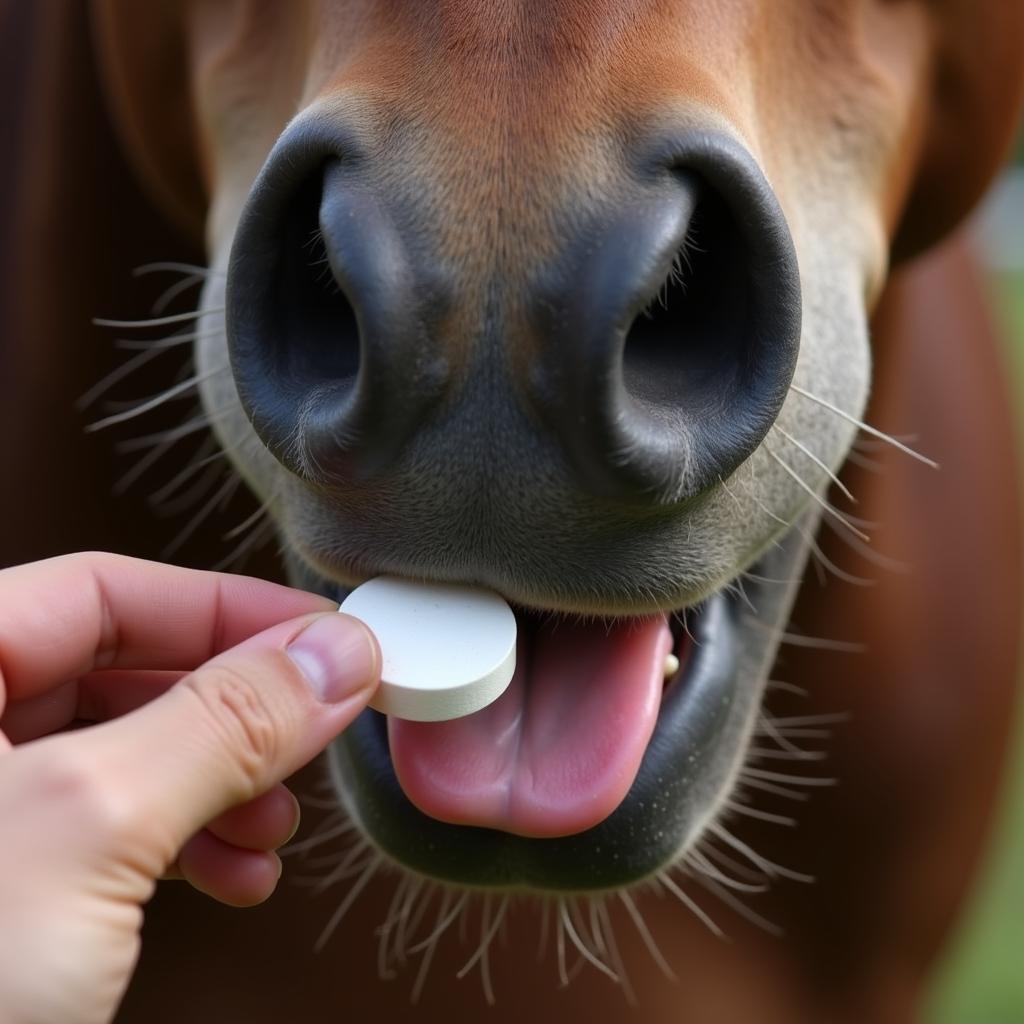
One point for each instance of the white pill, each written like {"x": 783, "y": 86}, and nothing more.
{"x": 671, "y": 665}
{"x": 448, "y": 649}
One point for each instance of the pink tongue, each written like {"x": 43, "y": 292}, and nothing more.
{"x": 557, "y": 752}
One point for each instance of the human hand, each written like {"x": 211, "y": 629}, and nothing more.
{"x": 208, "y": 690}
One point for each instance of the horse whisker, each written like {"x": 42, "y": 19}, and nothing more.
{"x": 444, "y": 919}
{"x": 321, "y": 836}
{"x": 158, "y": 321}
{"x": 149, "y": 459}
{"x": 783, "y": 777}
{"x": 700, "y": 865}
{"x": 191, "y": 426}
{"x": 165, "y": 396}
{"x": 771, "y": 869}
{"x": 779, "y": 684}
{"x": 806, "y": 487}
{"x": 488, "y": 929}
{"x": 171, "y": 293}
{"x": 770, "y": 787}
{"x": 250, "y": 520}
{"x": 712, "y": 853}
{"x": 767, "y": 728}
{"x": 346, "y": 904}
{"x": 818, "y": 462}
{"x": 168, "y": 507}
{"x": 756, "y": 812}
{"x": 690, "y": 904}
{"x": 869, "y": 553}
{"x": 347, "y": 866}
{"x": 236, "y": 556}
{"x": 731, "y": 900}
{"x": 873, "y": 431}
{"x": 613, "y": 950}
{"x": 581, "y": 946}
{"x": 826, "y": 563}
{"x": 128, "y": 367}
{"x": 174, "y": 266}
{"x": 219, "y": 500}
{"x": 645, "y": 935}
{"x": 830, "y": 718}
{"x": 770, "y": 754}
{"x": 822, "y": 644}
{"x": 207, "y": 454}
{"x": 172, "y": 341}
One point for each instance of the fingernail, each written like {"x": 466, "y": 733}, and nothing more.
{"x": 338, "y": 656}
{"x": 296, "y": 822}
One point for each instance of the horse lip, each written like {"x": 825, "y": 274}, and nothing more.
{"x": 696, "y": 747}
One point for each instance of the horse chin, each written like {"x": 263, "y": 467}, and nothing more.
{"x": 692, "y": 763}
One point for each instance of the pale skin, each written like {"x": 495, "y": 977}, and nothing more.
{"x": 199, "y": 693}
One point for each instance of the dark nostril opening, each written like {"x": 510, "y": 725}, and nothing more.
{"x": 293, "y": 332}
{"x": 689, "y": 341}
{"x": 677, "y": 318}
{"x": 327, "y": 311}
{"x": 317, "y": 341}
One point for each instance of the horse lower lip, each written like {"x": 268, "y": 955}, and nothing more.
{"x": 645, "y": 831}
{"x": 687, "y": 771}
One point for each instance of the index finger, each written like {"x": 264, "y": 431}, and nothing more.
{"x": 69, "y": 615}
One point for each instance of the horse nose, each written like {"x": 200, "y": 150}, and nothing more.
{"x": 669, "y": 329}
{"x": 330, "y": 322}
{"x": 666, "y": 333}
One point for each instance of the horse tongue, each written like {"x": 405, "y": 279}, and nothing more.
{"x": 558, "y": 751}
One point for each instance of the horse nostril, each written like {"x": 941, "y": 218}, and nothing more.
{"x": 317, "y": 340}
{"x": 688, "y": 344}
{"x": 324, "y": 316}
{"x": 670, "y": 357}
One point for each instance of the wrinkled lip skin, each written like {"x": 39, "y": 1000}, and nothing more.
{"x": 686, "y": 772}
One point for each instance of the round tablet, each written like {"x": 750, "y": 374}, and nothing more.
{"x": 448, "y": 649}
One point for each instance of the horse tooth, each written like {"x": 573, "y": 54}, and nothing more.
{"x": 671, "y": 665}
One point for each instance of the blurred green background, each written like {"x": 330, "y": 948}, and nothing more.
{"x": 983, "y": 982}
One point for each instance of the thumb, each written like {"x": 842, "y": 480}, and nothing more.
{"x": 236, "y": 726}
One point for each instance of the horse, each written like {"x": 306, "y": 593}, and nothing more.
{"x": 587, "y": 304}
